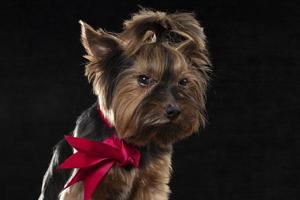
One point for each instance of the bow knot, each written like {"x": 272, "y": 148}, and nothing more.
{"x": 94, "y": 159}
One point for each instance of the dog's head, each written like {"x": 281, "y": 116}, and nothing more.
{"x": 151, "y": 78}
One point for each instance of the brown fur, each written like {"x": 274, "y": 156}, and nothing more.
{"x": 146, "y": 183}
{"x": 168, "y": 48}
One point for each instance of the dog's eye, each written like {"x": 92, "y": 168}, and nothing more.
{"x": 183, "y": 82}
{"x": 144, "y": 80}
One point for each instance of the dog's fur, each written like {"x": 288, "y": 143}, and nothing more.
{"x": 150, "y": 81}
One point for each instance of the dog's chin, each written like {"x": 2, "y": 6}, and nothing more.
{"x": 170, "y": 133}
{"x": 163, "y": 133}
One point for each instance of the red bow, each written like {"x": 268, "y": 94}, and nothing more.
{"x": 95, "y": 159}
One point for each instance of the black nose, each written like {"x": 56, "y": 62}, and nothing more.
{"x": 172, "y": 111}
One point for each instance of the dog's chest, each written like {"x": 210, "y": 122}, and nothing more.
{"x": 117, "y": 184}
{"x": 126, "y": 183}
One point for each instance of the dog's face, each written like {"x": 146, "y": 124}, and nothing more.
{"x": 151, "y": 78}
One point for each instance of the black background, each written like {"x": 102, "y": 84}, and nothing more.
{"x": 248, "y": 149}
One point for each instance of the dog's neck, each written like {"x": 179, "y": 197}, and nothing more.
{"x": 90, "y": 125}
{"x": 107, "y": 113}
{"x": 103, "y": 117}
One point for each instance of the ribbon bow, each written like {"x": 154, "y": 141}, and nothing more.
{"x": 94, "y": 159}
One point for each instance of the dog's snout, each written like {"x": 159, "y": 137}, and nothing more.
{"x": 172, "y": 111}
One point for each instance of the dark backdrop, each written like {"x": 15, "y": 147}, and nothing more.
{"x": 248, "y": 149}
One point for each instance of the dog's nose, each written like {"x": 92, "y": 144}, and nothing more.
{"x": 172, "y": 111}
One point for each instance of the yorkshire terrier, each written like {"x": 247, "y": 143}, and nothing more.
{"x": 150, "y": 81}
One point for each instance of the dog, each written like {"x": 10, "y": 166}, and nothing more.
{"x": 150, "y": 81}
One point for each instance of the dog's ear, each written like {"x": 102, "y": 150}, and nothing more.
{"x": 149, "y": 37}
{"x": 190, "y": 39}
{"x": 186, "y": 46}
{"x": 198, "y": 55}
{"x": 97, "y": 43}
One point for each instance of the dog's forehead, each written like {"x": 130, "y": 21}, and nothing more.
{"x": 160, "y": 62}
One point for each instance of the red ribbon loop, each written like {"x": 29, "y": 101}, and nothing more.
{"x": 94, "y": 159}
